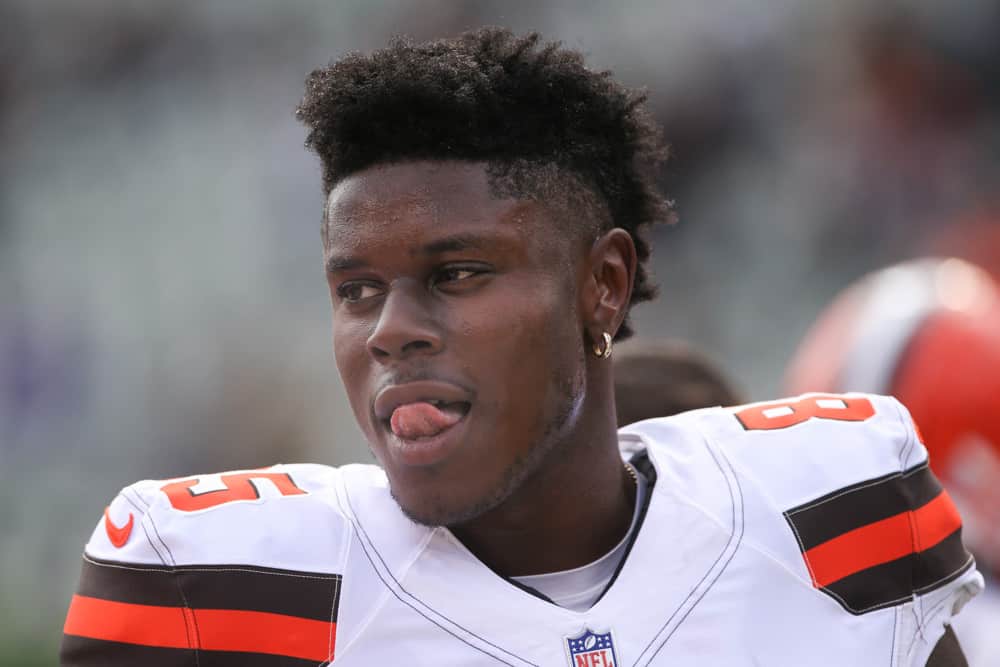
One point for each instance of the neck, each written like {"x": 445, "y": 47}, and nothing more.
{"x": 572, "y": 511}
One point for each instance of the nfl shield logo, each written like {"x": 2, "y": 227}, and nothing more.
{"x": 591, "y": 649}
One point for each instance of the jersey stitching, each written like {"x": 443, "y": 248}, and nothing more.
{"x": 892, "y": 644}
{"x": 732, "y": 554}
{"x": 364, "y": 548}
{"x": 170, "y": 570}
{"x": 401, "y": 599}
{"x": 919, "y": 630}
{"x": 914, "y": 539}
{"x": 187, "y": 634}
{"x": 146, "y": 512}
{"x": 780, "y": 564}
{"x": 334, "y": 578}
{"x": 922, "y": 624}
{"x": 892, "y": 603}
{"x": 135, "y": 505}
{"x": 180, "y": 591}
{"x": 902, "y": 473}
{"x": 149, "y": 539}
{"x": 333, "y": 610}
{"x": 880, "y": 605}
{"x": 142, "y": 501}
{"x": 798, "y": 538}
{"x": 876, "y": 482}
{"x": 952, "y": 575}
{"x": 756, "y": 547}
{"x": 911, "y": 438}
{"x": 367, "y": 620}
{"x": 348, "y": 643}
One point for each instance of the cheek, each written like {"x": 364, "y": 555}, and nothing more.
{"x": 350, "y": 354}
{"x": 526, "y": 349}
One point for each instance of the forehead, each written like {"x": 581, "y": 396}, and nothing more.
{"x": 392, "y": 200}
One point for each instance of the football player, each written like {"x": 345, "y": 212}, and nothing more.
{"x": 485, "y": 197}
{"x": 928, "y": 332}
{"x": 660, "y": 378}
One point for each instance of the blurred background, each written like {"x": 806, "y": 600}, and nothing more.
{"x": 162, "y": 303}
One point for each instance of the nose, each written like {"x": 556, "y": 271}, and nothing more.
{"x": 405, "y": 326}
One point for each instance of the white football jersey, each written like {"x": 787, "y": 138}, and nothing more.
{"x": 807, "y": 531}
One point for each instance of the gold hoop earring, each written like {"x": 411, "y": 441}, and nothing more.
{"x": 606, "y": 351}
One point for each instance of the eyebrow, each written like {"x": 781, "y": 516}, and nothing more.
{"x": 339, "y": 263}
{"x": 452, "y": 243}
{"x": 459, "y": 242}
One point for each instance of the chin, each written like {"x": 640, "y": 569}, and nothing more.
{"x": 434, "y": 512}
{"x": 437, "y": 509}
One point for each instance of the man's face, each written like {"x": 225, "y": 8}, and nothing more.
{"x": 456, "y": 331}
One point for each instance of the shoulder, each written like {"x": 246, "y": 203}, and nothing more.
{"x": 837, "y": 490}
{"x": 798, "y": 446}
{"x": 850, "y": 476}
{"x": 174, "y": 565}
{"x": 794, "y": 448}
{"x": 241, "y": 516}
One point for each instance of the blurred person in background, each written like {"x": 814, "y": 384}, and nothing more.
{"x": 660, "y": 378}
{"x": 928, "y": 332}
{"x": 486, "y": 199}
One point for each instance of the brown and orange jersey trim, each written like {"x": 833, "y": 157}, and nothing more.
{"x": 877, "y": 543}
{"x": 218, "y": 615}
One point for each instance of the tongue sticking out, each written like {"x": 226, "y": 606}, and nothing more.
{"x": 422, "y": 420}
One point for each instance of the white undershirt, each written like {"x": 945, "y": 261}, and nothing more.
{"x": 578, "y": 589}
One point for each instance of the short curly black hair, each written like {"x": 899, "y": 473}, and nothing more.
{"x": 519, "y": 105}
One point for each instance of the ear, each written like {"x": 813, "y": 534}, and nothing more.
{"x": 608, "y": 288}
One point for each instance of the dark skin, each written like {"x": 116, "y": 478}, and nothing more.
{"x": 442, "y": 289}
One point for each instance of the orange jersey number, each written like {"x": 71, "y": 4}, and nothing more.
{"x": 235, "y": 486}
{"x": 782, "y": 414}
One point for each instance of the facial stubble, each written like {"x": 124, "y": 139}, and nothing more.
{"x": 569, "y": 388}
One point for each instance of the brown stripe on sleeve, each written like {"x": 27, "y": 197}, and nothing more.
{"x": 129, "y": 582}
{"x": 880, "y": 542}
{"x": 303, "y": 594}
{"x": 206, "y": 630}
{"x": 941, "y": 563}
{"x": 132, "y": 614}
{"x": 860, "y": 504}
{"x": 86, "y": 652}
{"x": 895, "y": 582}
{"x": 884, "y": 585}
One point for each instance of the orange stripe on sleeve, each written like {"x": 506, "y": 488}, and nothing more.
{"x": 935, "y": 521}
{"x": 883, "y": 541}
{"x": 206, "y": 629}
{"x": 169, "y": 627}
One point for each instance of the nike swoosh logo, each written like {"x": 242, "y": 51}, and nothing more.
{"x": 118, "y": 536}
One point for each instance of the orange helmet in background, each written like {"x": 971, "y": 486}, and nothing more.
{"x": 928, "y": 333}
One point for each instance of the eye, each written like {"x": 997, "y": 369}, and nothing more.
{"x": 354, "y": 292}
{"x": 453, "y": 274}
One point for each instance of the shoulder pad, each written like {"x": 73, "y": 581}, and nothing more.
{"x": 263, "y": 517}
{"x": 844, "y": 479}
{"x": 797, "y": 446}
{"x": 174, "y": 566}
